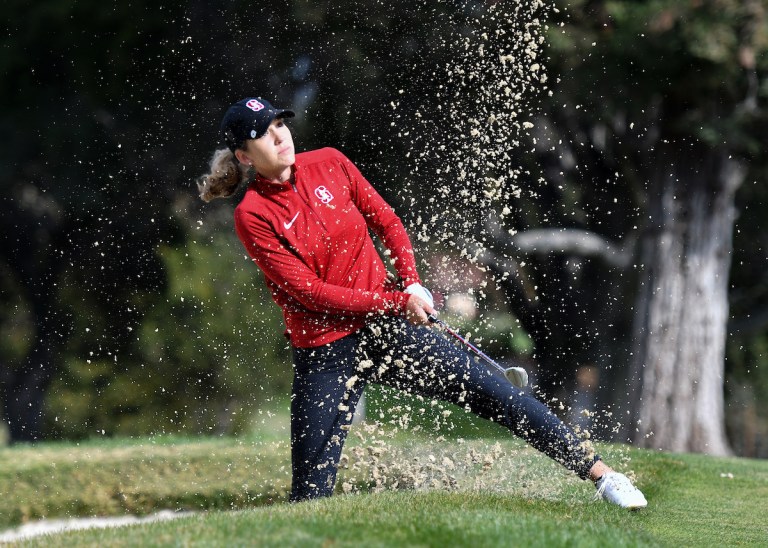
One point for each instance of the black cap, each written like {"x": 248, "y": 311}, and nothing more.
{"x": 249, "y": 119}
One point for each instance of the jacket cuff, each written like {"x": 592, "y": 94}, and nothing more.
{"x": 400, "y": 303}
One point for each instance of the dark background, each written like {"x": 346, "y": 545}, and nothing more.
{"x": 126, "y": 304}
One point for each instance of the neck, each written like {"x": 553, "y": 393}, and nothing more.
{"x": 280, "y": 178}
{"x": 285, "y": 175}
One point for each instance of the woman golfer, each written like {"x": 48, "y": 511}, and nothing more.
{"x": 305, "y": 221}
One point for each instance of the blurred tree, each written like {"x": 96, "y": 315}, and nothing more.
{"x": 92, "y": 92}
{"x": 672, "y": 111}
{"x": 65, "y": 212}
{"x": 115, "y": 110}
{"x": 203, "y": 353}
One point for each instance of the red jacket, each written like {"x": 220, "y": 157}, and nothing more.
{"x": 311, "y": 241}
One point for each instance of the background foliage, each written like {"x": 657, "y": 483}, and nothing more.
{"x": 134, "y": 301}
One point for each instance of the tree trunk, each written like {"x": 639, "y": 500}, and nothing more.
{"x": 682, "y": 307}
{"x": 23, "y": 388}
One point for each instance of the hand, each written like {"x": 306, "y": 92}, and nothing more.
{"x": 417, "y": 311}
{"x": 422, "y": 292}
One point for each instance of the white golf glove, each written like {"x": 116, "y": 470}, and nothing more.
{"x": 421, "y": 292}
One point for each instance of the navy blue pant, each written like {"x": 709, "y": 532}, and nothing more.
{"x": 329, "y": 380}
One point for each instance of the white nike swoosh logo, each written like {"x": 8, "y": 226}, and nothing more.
{"x": 290, "y": 223}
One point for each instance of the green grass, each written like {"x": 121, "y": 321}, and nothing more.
{"x": 113, "y": 478}
{"x": 520, "y": 498}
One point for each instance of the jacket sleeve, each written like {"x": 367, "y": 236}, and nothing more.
{"x": 384, "y": 222}
{"x": 299, "y": 281}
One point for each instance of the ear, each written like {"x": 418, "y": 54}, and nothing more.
{"x": 242, "y": 157}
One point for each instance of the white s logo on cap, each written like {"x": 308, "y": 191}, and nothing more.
{"x": 254, "y": 105}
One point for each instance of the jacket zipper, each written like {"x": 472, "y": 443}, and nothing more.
{"x": 311, "y": 211}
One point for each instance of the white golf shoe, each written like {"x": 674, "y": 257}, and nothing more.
{"x": 617, "y": 489}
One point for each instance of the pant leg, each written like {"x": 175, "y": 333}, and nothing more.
{"x": 426, "y": 362}
{"x": 323, "y": 401}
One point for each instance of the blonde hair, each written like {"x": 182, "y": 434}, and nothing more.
{"x": 225, "y": 175}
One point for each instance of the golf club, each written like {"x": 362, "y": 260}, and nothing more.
{"x": 516, "y": 375}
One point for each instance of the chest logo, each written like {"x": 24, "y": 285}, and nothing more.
{"x": 323, "y": 194}
{"x": 289, "y": 224}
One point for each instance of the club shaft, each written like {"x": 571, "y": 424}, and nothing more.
{"x": 476, "y": 350}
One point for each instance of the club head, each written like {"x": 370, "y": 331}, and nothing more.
{"x": 517, "y": 376}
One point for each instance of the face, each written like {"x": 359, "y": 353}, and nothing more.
{"x": 272, "y": 154}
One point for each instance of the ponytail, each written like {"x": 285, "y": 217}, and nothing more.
{"x": 225, "y": 175}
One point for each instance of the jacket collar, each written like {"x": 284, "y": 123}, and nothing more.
{"x": 267, "y": 186}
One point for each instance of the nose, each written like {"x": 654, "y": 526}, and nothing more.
{"x": 275, "y": 135}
